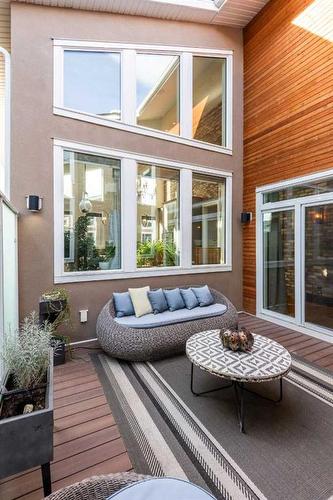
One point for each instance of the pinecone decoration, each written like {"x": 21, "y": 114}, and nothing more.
{"x": 237, "y": 339}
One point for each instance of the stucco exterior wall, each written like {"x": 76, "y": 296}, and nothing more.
{"x": 34, "y": 126}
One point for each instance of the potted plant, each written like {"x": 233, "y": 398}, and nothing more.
{"x": 26, "y": 401}
{"x": 105, "y": 258}
{"x": 54, "y": 308}
{"x": 103, "y": 262}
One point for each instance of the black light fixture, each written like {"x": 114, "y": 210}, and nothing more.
{"x": 246, "y": 217}
{"x": 34, "y": 203}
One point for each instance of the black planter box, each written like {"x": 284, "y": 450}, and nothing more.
{"x": 59, "y": 354}
{"x": 27, "y": 440}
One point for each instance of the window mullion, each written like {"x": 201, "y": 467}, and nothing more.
{"x": 228, "y": 222}
{"x": 186, "y": 217}
{"x": 186, "y": 95}
{"x": 58, "y": 173}
{"x": 128, "y": 214}
{"x": 229, "y": 104}
{"x": 128, "y": 87}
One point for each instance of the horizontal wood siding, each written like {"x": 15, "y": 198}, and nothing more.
{"x": 288, "y": 107}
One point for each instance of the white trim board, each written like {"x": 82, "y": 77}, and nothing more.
{"x": 325, "y": 174}
{"x": 128, "y": 123}
{"x": 99, "y": 44}
{"x": 121, "y": 153}
{"x": 129, "y": 217}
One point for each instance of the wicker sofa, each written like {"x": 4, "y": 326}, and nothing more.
{"x": 97, "y": 487}
{"x": 147, "y": 344}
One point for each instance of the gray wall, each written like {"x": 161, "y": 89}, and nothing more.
{"x": 34, "y": 126}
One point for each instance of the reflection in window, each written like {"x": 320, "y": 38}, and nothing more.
{"x": 157, "y": 216}
{"x": 92, "y": 82}
{"x": 157, "y": 92}
{"x": 208, "y": 220}
{"x": 299, "y": 191}
{"x": 91, "y": 212}
{"x": 209, "y": 99}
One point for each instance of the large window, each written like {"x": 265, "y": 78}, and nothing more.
{"x": 92, "y": 82}
{"x": 209, "y": 99}
{"x": 119, "y": 216}
{"x": 157, "y": 92}
{"x": 154, "y": 90}
{"x": 208, "y": 220}
{"x": 92, "y": 235}
{"x": 157, "y": 216}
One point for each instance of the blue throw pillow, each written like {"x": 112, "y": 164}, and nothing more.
{"x": 123, "y": 304}
{"x": 203, "y": 295}
{"x": 158, "y": 301}
{"x": 189, "y": 298}
{"x": 174, "y": 299}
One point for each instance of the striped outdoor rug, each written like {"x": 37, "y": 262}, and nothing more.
{"x": 287, "y": 452}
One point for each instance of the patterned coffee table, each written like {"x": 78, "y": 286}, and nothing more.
{"x": 267, "y": 361}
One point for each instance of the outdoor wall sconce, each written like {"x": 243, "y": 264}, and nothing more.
{"x": 246, "y": 217}
{"x": 34, "y": 203}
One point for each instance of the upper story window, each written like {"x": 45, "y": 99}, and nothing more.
{"x": 121, "y": 215}
{"x": 209, "y": 97}
{"x": 157, "y": 92}
{"x": 92, "y": 82}
{"x": 178, "y": 94}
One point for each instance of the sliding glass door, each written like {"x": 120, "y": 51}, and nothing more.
{"x": 295, "y": 255}
{"x": 318, "y": 265}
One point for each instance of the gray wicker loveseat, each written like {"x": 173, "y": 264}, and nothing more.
{"x": 146, "y": 344}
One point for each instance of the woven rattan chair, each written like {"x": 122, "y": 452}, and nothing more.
{"x": 147, "y": 344}
{"x": 97, "y": 487}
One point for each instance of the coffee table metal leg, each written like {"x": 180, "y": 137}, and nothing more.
{"x": 206, "y": 392}
{"x": 240, "y": 404}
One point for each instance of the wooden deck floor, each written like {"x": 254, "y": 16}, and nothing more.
{"x": 87, "y": 440}
{"x": 311, "y": 349}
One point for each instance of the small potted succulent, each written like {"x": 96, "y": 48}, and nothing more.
{"x": 54, "y": 308}
{"x": 26, "y": 405}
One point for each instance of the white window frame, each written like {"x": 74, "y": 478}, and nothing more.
{"x": 298, "y": 205}
{"x": 129, "y": 216}
{"x": 128, "y": 89}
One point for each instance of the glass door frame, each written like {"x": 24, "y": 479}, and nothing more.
{"x": 304, "y": 206}
{"x": 298, "y": 205}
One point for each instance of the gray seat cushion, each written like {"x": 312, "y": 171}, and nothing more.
{"x": 171, "y": 317}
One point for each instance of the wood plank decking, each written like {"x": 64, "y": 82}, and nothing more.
{"x": 311, "y": 349}
{"x": 87, "y": 440}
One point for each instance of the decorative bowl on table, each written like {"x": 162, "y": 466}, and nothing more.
{"x": 240, "y": 339}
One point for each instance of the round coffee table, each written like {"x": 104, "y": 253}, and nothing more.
{"x": 267, "y": 361}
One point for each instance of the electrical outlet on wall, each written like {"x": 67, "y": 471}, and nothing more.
{"x": 83, "y": 315}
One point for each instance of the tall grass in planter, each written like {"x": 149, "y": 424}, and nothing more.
{"x": 26, "y": 355}
{"x": 26, "y": 401}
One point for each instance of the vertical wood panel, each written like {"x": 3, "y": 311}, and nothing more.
{"x": 288, "y": 106}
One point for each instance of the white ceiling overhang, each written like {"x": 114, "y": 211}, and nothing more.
{"x": 234, "y": 13}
